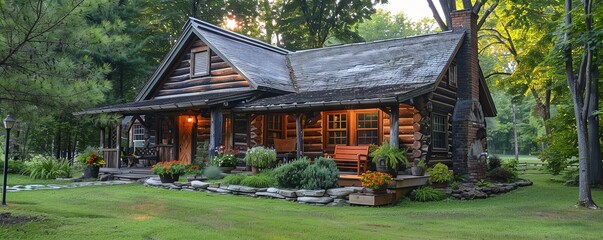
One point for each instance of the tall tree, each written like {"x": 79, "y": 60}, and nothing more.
{"x": 308, "y": 23}
{"x": 384, "y": 25}
{"x": 449, "y": 6}
{"x": 580, "y": 81}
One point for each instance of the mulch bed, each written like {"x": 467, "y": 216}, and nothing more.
{"x": 7, "y": 218}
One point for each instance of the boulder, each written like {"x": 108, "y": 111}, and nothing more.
{"x": 105, "y": 177}
{"x": 310, "y": 193}
{"x": 340, "y": 193}
{"x": 523, "y": 182}
{"x": 218, "y": 190}
{"x": 152, "y": 182}
{"x": 287, "y": 193}
{"x": 270, "y": 195}
{"x": 243, "y": 189}
{"x": 272, "y": 190}
{"x": 199, "y": 184}
{"x": 319, "y": 200}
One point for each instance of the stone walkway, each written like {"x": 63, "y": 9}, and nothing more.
{"x": 18, "y": 188}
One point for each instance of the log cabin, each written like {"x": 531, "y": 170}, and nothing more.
{"x": 426, "y": 94}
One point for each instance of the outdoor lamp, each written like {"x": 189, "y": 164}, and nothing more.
{"x": 9, "y": 122}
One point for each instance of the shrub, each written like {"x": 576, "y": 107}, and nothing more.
{"x": 427, "y": 194}
{"x": 502, "y": 174}
{"x": 440, "y": 174}
{"x": 259, "y": 181}
{"x": 455, "y": 186}
{"x": 571, "y": 177}
{"x": 510, "y": 164}
{"x": 320, "y": 175}
{"x": 493, "y": 162}
{"x": 261, "y": 157}
{"x": 235, "y": 179}
{"x": 212, "y": 172}
{"x": 41, "y": 167}
{"x": 15, "y": 167}
{"x": 290, "y": 175}
{"x": 483, "y": 183}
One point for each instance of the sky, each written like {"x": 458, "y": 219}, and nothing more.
{"x": 414, "y": 9}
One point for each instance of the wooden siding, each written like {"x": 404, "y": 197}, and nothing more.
{"x": 203, "y": 124}
{"x": 407, "y": 127}
{"x": 180, "y": 80}
{"x": 443, "y": 100}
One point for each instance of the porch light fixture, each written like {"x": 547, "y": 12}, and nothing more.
{"x": 190, "y": 119}
{"x": 9, "y": 122}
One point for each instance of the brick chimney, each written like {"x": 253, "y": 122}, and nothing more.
{"x": 468, "y": 123}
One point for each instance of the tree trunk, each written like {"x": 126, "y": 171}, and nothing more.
{"x": 596, "y": 168}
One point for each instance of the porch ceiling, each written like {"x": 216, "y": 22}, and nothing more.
{"x": 171, "y": 104}
{"x": 359, "y": 96}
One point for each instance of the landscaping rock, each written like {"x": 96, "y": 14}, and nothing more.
{"x": 272, "y": 190}
{"x": 199, "y": 184}
{"x": 243, "y": 189}
{"x": 310, "y": 193}
{"x": 291, "y": 199}
{"x": 270, "y": 195}
{"x": 218, "y": 190}
{"x": 524, "y": 182}
{"x": 340, "y": 192}
{"x": 287, "y": 193}
{"x": 105, "y": 177}
{"x": 152, "y": 182}
{"x": 319, "y": 200}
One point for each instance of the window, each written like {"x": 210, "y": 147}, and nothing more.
{"x": 200, "y": 64}
{"x": 439, "y": 138}
{"x": 138, "y": 133}
{"x": 368, "y": 128}
{"x": 452, "y": 75}
{"x": 337, "y": 128}
{"x": 274, "y": 128}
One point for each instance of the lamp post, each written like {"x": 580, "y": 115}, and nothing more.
{"x": 9, "y": 122}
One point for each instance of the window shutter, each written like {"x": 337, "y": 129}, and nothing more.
{"x": 201, "y": 66}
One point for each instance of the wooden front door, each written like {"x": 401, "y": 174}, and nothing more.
{"x": 185, "y": 139}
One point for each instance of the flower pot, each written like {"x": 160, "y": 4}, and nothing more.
{"x": 226, "y": 169}
{"x": 417, "y": 171}
{"x": 381, "y": 164}
{"x": 91, "y": 171}
{"x": 169, "y": 178}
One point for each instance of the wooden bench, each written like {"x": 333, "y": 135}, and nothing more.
{"x": 351, "y": 157}
{"x": 145, "y": 156}
{"x": 285, "y": 148}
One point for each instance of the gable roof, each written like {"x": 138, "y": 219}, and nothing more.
{"x": 410, "y": 60}
{"x": 249, "y": 57}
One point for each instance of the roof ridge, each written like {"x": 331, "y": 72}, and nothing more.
{"x": 230, "y": 34}
{"x": 374, "y": 42}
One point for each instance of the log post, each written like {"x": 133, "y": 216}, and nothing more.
{"x": 117, "y": 146}
{"x": 102, "y": 138}
{"x": 299, "y": 132}
{"x": 215, "y": 130}
{"x": 394, "y": 126}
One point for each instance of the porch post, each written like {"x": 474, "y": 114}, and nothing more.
{"x": 394, "y": 126}
{"x": 117, "y": 146}
{"x": 101, "y": 144}
{"x": 215, "y": 131}
{"x": 298, "y": 135}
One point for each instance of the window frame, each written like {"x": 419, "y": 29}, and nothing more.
{"x": 377, "y": 129}
{"x": 193, "y": 62}
{"x": 452, "y": 75}
{"x": 344, "y": 130}
{"x": 445, "y": 131}
{"x": 269, "y": 129}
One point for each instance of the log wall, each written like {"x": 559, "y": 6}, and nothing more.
{"x": 180, "y": 80}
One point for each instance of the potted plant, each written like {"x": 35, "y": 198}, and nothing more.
{"x": 91, "y": 161}
{"x": 388, "y": 158}
{"x": 225, "y": 159}
{"x": 439, "y": 176}
{"x": 418, "y": 168}
{"x": 169, "y": 171}
{"x": 376, "y": 181}
{"x": 260, "y": 158}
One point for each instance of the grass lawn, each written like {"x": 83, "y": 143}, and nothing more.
{"x": 16, "y": 179}
{"x": 545, "y": 210}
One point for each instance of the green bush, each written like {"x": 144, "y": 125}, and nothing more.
{"x": 41, "y": 167}
{"x": 320, "y": 175}
{"x": 15, "y": 167}
{"x": 259, "y": 181}
{"x": 261, "y": 157}
{"x": 290, "y": 175}
{"x": 440, "y": 174}
{"x": 571, "y": 177}
{"x": 235, "y": 179}
{"x": 483, "y": 183}
{"x": 212, "y": 172}
{"x": 502, "y": 174}
{"x": 427, "y": 194}
{"x": 493, "y": 162}
{"x": 510, "y": 164}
